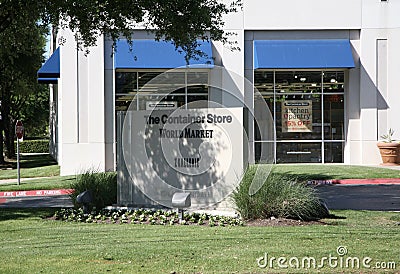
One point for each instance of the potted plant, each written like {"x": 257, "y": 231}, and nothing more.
{"x": 389, "y": 149}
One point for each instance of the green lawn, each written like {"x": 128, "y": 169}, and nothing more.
{"x": 57, "y": 182}
{"x": 32, "y": 166}
{"x": 45, "y": 166}
{"x": 331, "y": 171}
{"x": 30, "y": 244}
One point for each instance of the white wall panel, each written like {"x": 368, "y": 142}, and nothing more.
{"x": 305, "y": 14}
{"x": 380, "y": 14}
{"x": 67, "y": 97}
{"x": 96, "y": 109}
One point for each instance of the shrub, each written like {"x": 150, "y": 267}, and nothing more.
{"x": 282, "y": 195}
{"x": 33, "y": 146}
{"x": 103, "y": 186}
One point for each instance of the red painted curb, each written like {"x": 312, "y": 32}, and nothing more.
{"x": 382, "y": 181}
{"x": 378, "y": 181}
{"x": 33, "y": 193}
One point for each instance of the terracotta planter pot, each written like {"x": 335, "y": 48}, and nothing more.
{"x": 389, "y": 153}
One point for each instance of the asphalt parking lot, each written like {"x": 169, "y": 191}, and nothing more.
{"x": 384, "y": 197}
{"x": 361, "y": 197}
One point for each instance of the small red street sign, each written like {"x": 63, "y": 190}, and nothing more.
{"x": 19, "y": 129}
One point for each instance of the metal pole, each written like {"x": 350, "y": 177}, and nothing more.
{"x": 18, "y": 171}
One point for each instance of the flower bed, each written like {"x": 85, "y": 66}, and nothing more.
{"x": 145, "y": 216}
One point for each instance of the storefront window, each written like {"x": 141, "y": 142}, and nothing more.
{"x": 298, "y": 117}
{"x": 333, "y": 81}
{"x": 261, "y": 122}
{"x": 197, "y": 78}
{"x": 264, "y": 82}
{"x": 334, "y": 117}
{"x": 308, "y": 111}
{"x": 161, "y": 82}
{"x": 178, "y": 100}
{"x": 177, "y": 87}
{"x": 298, "y": 152}
{"x": 333, "y": 152}
{"x": 122, "y": 102}
{"x": 125, "y": 83}
{"x": 264, "y": 152}
{"x": 297, "y": 82}
{"x": 197, "y": 101}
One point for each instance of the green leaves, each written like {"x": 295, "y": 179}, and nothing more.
{"x": 181, "y": 22}
{"x": 22, "y": 42}
{"x": 388, "y": 138}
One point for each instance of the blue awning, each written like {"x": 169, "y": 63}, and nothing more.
{"x": 298, "y": 54}
{"x": 158, "y": 54}
{"x": 51, "y": 68}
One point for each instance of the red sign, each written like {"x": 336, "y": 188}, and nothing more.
{"x": 19, "y": 129}
{"x": 297, "y": 116}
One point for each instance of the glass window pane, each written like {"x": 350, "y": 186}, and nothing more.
{"x": 143, "y": 99}
{"x": 198, "y": 89}
{"x": 298, "y": 81}
{"x": 162, "y": 90}
{"x": 145, "y": 77}
{"x": 197, "y": 78}
{"x": 264, "y": 81}
{"x": 161, "y": 82}
{"x": 197, "y": 82}
{"x": 263, "y": 118}
{"x": 334, "y": 117}
{"x": 123, "y": 102}
{"x": 264, "y": 152}
{"x": 125, "y": 82}
{"x": 333, "y": 152}
{"x": 298, "y": 153}
{"x": 333, "y": 81}
{"x": 197, "y": 101}
{"x": 298, "y": 117}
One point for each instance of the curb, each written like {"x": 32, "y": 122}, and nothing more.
{"x": 36, "y": 193}
{"x": 377, "y": 181}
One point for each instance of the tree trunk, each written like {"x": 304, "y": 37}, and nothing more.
{"x": 2, "y": 161}
{"x": 8, "y": 125}
{"x": 9, "y": 134}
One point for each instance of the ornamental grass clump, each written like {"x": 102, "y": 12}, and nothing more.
{"x": 102, "y": 185}
{"x": 282, "y": 195}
